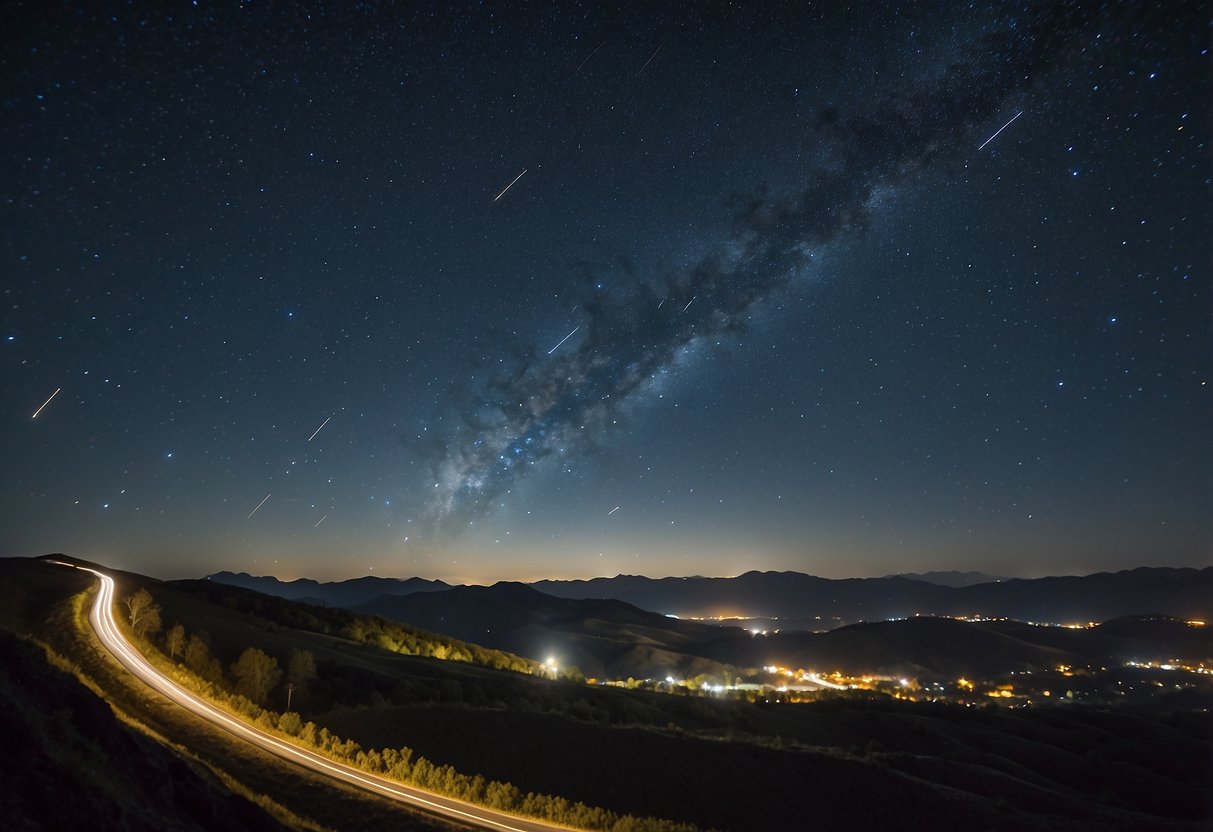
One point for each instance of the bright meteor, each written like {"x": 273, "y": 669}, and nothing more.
{"x": 507, "y": 187}
{"x": 259, "y": 505}
{"x": 48, "y": 401}
{"x": 1000, "y": 129}
{"x": 562, "y": 340}
{"x": 322, "y": 424}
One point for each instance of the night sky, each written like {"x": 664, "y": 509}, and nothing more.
{"x": 817, "y": 321}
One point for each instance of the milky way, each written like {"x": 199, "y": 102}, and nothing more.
{"x": 558, "y": 404}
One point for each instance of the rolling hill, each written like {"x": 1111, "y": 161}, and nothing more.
{"x": 612, "y": 639}
{"x": 599, "y": 637}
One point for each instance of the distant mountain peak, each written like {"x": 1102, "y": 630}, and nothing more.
{"x": 951, "y": 577}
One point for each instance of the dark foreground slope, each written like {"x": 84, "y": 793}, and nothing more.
{"x": 71, "y": 765}
{"x": 45, "y": 602}
{"x": 847, "y": 764}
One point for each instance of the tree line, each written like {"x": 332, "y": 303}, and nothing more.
{"x": 364, "y": 629}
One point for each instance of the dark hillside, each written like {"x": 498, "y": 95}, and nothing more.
{"x": 601, "y": 637}
{"x": 978, "y": 769}
{"x": 92, "y": 771}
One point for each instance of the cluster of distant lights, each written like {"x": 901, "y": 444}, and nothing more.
{"x": 812, "y": 680}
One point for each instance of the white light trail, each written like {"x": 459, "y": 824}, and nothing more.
{"x": 45, "y": 403}
{"x": 825, "y": 683}
{"x": 322, "y": 424}
{"x": 1000, "y": 129}
{"x": 562, "y": 340}
{"x": 688, "y": 306}
{"x": 259, "y": 505}
{"x": 612, "y": 511}
{"x": 507, "y": 187}
{"x": 321, "y": 520}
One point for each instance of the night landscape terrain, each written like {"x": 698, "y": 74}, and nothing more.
{"x": 623, "y": 417}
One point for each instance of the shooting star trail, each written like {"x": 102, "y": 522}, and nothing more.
{"x": 259, "y": 505}
{"x": 587, "y": 60}
{"x": 507, "y": 187}
{"x": 322, "y": 424}
{"x": 321, "y": 520}
{"x": 688, "y": 306}
{"x": 650, "y": 60}
{"x": 45, "y": 403}
{"x": 612, "y": 511}
{"x": 562, "y": 340}
{"x": 662, "y": 303}
{"x": 1000, "y": 129}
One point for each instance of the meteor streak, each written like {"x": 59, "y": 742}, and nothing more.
{"x": 562, "y": 340}
{"x": 650, "y": 60}
{"x": 45, "y": 403}
{"x": 322, "y": 424}
{"x": 507, "y": 187}
{"x": 612, "y": 511}
{"x": 321, "y": 520}
{"x": 688, "y": 306}
{"x": 259, "y": 505}
{"x": 1000, "y": 129}
{"x": 587, "y": 60}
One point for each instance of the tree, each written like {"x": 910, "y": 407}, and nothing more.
{"x": 144, "y": 612}
{"x": 290, "y": 723}
{"x": 256, "y": 675}
{"x": 174, "y": 641}
{"x": 198, "y": 659}
{"x": 300, "y": 668}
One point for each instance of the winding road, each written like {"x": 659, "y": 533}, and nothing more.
{"x": 102, "y": 619}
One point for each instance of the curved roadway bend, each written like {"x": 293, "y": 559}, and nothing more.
{"x": 102, "y": 619}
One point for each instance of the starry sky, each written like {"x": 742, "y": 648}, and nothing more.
{"x": 503, "y": 291}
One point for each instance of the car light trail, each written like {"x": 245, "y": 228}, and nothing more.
{"x": 101, "y": 617}
{"x": 825, "y": 683}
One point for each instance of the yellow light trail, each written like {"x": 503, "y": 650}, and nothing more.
{"x": 101, "y": 617}
{"x": 45, "y": 403}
